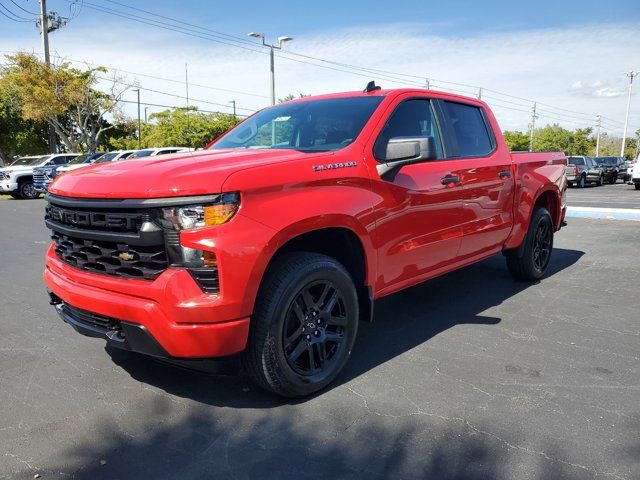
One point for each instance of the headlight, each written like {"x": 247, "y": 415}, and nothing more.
{"x": 196, "y": 216}
{"x": 7, "y": 176}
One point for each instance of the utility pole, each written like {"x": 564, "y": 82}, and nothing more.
{"x": 44, "y": 30}
{"x": 233, "y": 102}
{"x": 533, "y": 125}
{"x": 139, "y": 126}
{"x": 598, "y": 124}
{"x": 145, "y": 114}
{"x": 630, "y": 74}
{"x": 272, "y": 79}
{"x": 427, "y": 85}
{"x": 186, "y": 84}
{"x": 480, "y": 93}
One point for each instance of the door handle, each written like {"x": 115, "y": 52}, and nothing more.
{"x": 505, "y": 174}
{"x": 450, "y": 181}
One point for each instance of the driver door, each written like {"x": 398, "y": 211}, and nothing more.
{"x": 418, "y": 229}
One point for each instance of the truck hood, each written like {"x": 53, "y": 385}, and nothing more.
{"x": 196, "y": 173}
{"x": 16, "y": 169}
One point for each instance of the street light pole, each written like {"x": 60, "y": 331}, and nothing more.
{"x": 137, "y": 90}
{"x": 272, "y": 47}
{"x": 233, "y": 102}
{"x": 599, "y": 125}
{"x": 44, "y": 29}
{"x": 630, "y": 74}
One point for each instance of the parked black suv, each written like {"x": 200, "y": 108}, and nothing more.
{"x": 613, "y": 168}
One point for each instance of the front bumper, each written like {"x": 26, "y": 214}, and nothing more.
{"x": 8, "y": 187}
{"x": 184, "y": 322}
{"x": 41, "y": 187}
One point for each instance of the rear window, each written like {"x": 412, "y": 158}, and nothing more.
{"x": 576, "y": 160}
{"x": 471, "y": 137}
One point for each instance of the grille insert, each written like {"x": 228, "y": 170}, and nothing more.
{"x": 109, "y": 258}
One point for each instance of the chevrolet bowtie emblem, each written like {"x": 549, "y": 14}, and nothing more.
{"x": 126, "y": 256}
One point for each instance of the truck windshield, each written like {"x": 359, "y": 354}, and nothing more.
{"x": 311, "y": 126}
{"x": 29, "y": 161}
{"x": 80, "y": 159}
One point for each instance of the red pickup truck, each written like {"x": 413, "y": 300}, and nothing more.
{"x": 270, "y": 245}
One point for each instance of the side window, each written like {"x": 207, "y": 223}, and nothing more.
{"x": 469, "y": 131}
{"x": 61, "y": 160}
{"x": 412, "y": 118}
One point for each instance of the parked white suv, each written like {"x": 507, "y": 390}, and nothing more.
{"x": 17, "y": 179}
{"x": 635, "y": 174}
{"x": 115, "y": 156}
{"x": 152, "y": 152}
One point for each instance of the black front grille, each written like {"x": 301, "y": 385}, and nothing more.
{"x": 91, "y": 319}
{"x": 121, "y": 260}
{"x": 96, "y": 219}
{"x": 2, "y": 176}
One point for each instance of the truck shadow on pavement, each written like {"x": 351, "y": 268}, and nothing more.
{"x": 201, "y": 446}
{"x": 401, "y": 322}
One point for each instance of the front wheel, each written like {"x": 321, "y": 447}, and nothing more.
{"x": 614, "y": 180}
{"x": 304, "y": 325}
{"x": 581, "y": 182}
{"x": 538, "y": 245}
{"x": 28, "y": 191}
{"x": 637, "y": 185}
{"x": 600, "y": 181}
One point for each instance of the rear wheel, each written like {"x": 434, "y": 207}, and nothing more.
{"x": 537, "y": 248}
{"x": 27, "y": 190}
{"x": 304, "y": 325}
{"x": 581, "y": 182}
{"x": 600, "y": 181}
{"x": 614, "y": 179}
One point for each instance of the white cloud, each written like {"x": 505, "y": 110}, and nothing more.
{"x": 579, "y": 68}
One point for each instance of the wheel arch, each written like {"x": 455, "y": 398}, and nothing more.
{"x": 338, "y": 238}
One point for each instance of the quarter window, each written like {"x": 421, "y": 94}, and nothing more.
{"x": 468, "y": 130}
{"x": 412, "y": 118}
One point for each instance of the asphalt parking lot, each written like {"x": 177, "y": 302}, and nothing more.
{"x": 469, "y": 376}
{"x": 619, "y": 195}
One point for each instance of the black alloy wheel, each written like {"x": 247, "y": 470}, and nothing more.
{"x": 542, "y": 244}
{"x": 314, "y": 327}
{"x": 304, "y": 324}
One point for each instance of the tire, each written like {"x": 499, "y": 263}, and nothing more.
{"x": 286, "y": 347}
{"x": 536, "y": 251}
{"x": 581, "y": 182}
{"x": 600, "y": 181}
{"x": 614, "y": 180}
{"x": 637, "y": 185}
{"x": 27, "y": 190}
{"x": 15, "y": 195}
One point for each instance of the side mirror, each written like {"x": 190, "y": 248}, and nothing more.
{"x": 400, "y": 151}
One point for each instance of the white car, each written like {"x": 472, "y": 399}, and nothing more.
{"x": 635, "y": 175}
{"x": 115, "y": 156}
{"x": 152, "y": 152}
{"x": 81, "y": 161}
{"x": 17, "y": 179}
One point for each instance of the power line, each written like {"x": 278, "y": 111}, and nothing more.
{"x": 17, "y": 18}
{"x": 23, "y": 9}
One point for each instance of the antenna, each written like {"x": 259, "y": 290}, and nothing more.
{"x": 371, "y": 87}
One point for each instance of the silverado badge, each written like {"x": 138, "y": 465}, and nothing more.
{"x": 126, "y": 256}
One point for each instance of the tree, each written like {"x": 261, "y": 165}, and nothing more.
{"x": 517, "y": 141}
{"x": 178, "y": 127}
{"x": 291, "y": 96}
{"x": 18, "y": 137}
{"x": 63, "y": 97}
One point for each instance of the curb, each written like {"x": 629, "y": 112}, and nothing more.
{"x": 604, "y": 213}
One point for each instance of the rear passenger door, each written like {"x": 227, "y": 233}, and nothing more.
{"x": 486, "y": 178}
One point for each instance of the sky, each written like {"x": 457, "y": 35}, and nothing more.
{"x": 569, "y": 56}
